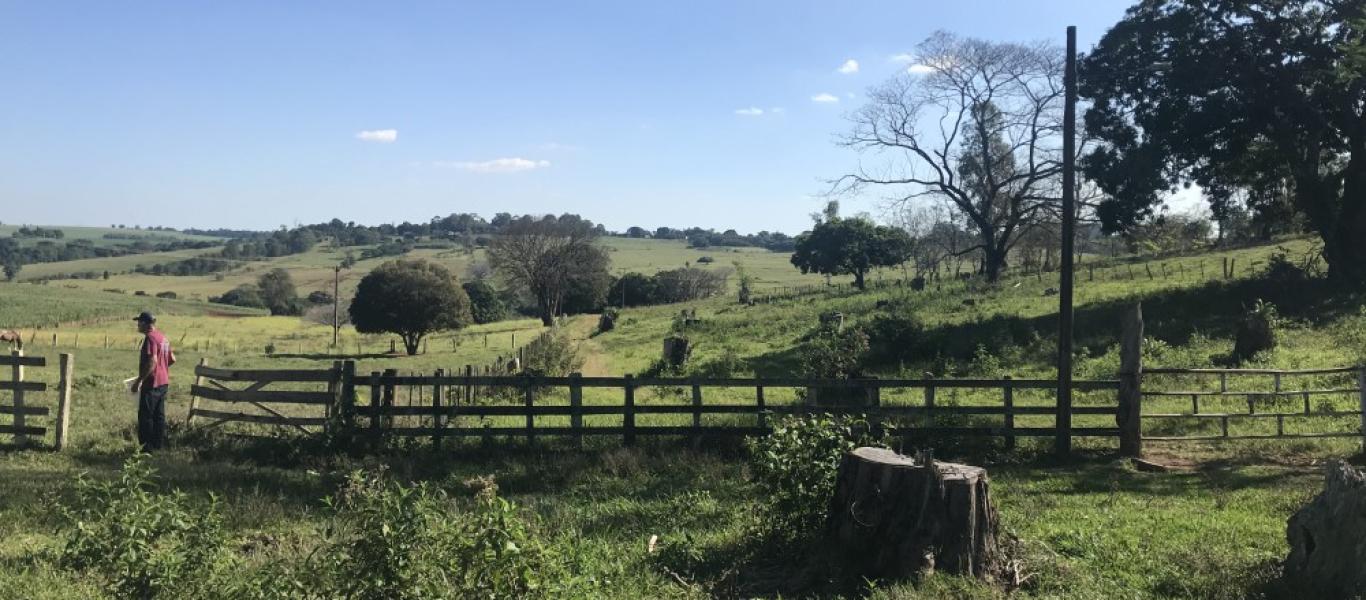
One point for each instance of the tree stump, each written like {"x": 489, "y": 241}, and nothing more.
{"x": 893, "y": 517}
{"x": 1328, "y": 538}
{"x": 676, "y": 351}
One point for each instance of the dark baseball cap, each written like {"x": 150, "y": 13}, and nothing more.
{"x": 145, "y": 317}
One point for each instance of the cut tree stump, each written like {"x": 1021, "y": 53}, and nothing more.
{"x": 894, "y": 517}
{"x": 1328, "y": 538}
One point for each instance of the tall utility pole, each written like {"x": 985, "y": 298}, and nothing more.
{"x": 336, "y": 301}
{"x": 1063, "y": 423}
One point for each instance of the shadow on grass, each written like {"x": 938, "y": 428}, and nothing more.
{"x": 1174, "y": 316}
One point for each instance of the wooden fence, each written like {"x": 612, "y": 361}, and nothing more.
{"x": 19, "y": 410}
{"x": 1288, "y": 395}
{"x": 531, "y": 407}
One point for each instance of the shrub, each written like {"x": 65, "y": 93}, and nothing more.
{"x": 246, "y": 295}
{"x": 795, "y": 469}
{"x": 141, "y": 542}
{"x": 895, "y": 335}
{"x": 554, "y": 355}
{"x": 831, "y": 354}
{"x": 392, "y": 541}
{"x": 167, "y": 295}
{"x": 1256, "y": 331}
{"x": 319, "y": 297}
{"x": 485, "y": 305}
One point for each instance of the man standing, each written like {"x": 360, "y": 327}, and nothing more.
{"x": 154, "y": 376}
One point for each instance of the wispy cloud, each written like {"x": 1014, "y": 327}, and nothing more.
{"x": 849, "y": 67}
{"x": 902, "y": 58}
{"x": 824, "y": 98}
{"x": 497, "y": 165}
{"x": 752, "y": 111}
{"x": 379, "y": 136}
{"x": 919, "y": 69}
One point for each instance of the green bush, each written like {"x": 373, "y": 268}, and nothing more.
{"x": 140, "y": 542}
{"x": 834, "y": 355}
{"x": 485, "y": 304}
{"x": 555, "y": 355}
{"x": 391, "y": 541}
{"x": 795, "y": 469}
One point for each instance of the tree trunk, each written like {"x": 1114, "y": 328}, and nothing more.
{"x": 858, "y": 279}
{"x": 893, "y": 517}
{"x": 993, "y": 262}
{"x": 1342, "y": 246}
{"x": 410, "y": 342}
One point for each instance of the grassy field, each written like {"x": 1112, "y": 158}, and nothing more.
{"x": 1089, "y": 527}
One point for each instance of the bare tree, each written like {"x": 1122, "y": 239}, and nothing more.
{"x": 979, "y": 128}
{"x": 547, "y": 259}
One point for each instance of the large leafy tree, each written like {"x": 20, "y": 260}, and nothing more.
{"x": 409, "y": 298}
{"x": 1247, "y": 98}
{"x": 838, "y": 246}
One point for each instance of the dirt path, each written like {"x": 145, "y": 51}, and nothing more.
{"x": 596, "y": 362}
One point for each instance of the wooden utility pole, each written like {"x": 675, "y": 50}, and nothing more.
{"x": 1063, "y": 422}
{"x": 336, "y": 302}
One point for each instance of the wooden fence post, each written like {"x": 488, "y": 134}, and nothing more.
{"x": 576, "y": 407}
{"x": 376, "y": 399}
{"x": 529, "y": 393}
{"x": 1129, "y": 414}
{"x": 1010, "y": 413}
{"x": 346, "y": 408}
{"x": 67, "y": 365}
{"x": 388, "y": 400}
{"x": 628, "y": 413}
{"x": 759, "y": 401}
{"x": 438, "y": 419}
{"x": 696, "y": 414}
{"x": 17, "y": 375}
{"x": 1361, "y": 391}
{"x": 194, "y": 400}
{"x": 929, "y": 402}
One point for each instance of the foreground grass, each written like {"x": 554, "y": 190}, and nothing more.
{"x": 1086, "y": 529}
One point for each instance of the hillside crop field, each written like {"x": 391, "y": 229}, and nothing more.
{"x": 1088, "y": 527}
{"x": 105, "y": 236}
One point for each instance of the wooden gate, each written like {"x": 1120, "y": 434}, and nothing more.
{"x": 305, "y": 404}
{"x": 21, "y": 408}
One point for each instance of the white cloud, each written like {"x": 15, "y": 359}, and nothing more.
{"x": 849, "y": 67}
{"x": 752, "y": 111}
{"x": 380, "y": 136}
{"x": 497, "y": 165}
{"x": 902, "y": 58}
{"x": 825, "y": 98}
{"x": 777, "y": 110}
{"x": 919, "y": 69}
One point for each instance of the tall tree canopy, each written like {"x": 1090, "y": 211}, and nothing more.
{"x": 410, "y": 298}
{"x": 838, "y": 246}
{"x": 552, "y": 261}
{"x": 978, "y": 130}
{"x": 1243, "y": 97}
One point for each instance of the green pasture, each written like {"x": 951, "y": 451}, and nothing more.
{"x": 97, "y": 235}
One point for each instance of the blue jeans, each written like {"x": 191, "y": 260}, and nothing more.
{"x": 152, "y": 418}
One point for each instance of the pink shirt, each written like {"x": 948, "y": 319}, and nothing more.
{"x": 157, "y": 349}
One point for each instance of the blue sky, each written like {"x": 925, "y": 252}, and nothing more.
{"x": 251, "y": 114}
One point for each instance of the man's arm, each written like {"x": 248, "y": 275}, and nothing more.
{"x": 145, "y": 364}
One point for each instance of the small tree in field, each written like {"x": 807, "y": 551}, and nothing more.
{"x": 850, "y": 246}
{"x": 278, "y": 292}
{"x": 409, "y": 298}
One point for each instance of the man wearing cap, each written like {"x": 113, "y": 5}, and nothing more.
{"x": 154, "y": 376}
